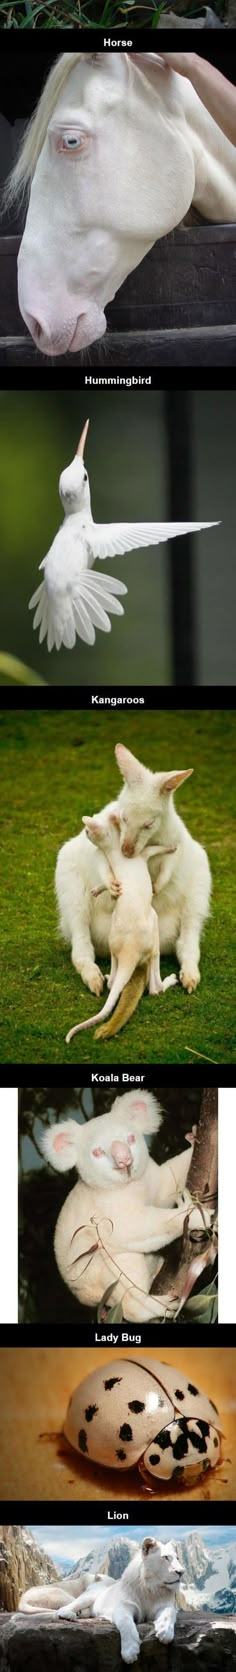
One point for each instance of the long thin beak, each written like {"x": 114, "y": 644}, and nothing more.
{"x": 80, "y": 448}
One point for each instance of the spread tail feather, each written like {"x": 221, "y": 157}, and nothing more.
{"x": 127, "y": 1003}
{"x": 62, "y": 616}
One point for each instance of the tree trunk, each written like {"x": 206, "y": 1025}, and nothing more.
{"x": 197, "y": 1249}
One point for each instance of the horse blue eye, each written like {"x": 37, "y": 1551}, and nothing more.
{"x": 72, "y": 142}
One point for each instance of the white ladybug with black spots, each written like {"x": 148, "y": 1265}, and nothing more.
{"x": 143, "y": 1412}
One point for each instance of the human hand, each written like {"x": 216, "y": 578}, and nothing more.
{"x": 182, "y": 62}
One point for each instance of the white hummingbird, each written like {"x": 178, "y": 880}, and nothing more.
{"x": 71, "y": 600}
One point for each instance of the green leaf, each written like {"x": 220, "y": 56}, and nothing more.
{"x": 12, "y": 669}
{"x": 115, "y": 1315}
{"x": 203, "y": 1308}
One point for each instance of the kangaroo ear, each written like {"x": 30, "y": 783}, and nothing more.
{"x": 91, "y": 824}
{"x": 145, "y": 1111}
{"x": 131, "y": 769}
{"x": 172, "y": 780}
{"x": 60, "y": 1144}
{"x": 114, "y": 819}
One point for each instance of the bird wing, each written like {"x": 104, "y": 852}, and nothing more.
{"x": 111, "y": 539}
{"x": 76, "y": 609}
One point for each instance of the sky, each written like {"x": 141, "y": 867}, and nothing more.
{"x": 71, "y": 1543}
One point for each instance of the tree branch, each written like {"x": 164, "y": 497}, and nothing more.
{"x": 184, "y": 1264}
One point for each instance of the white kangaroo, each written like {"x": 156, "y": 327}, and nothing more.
{"x": 181, "y": 880}
{"x": 134, "y": 936}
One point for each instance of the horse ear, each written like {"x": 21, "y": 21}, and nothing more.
{"x": 145, "y": 1111}
{"x": 131, "y": 769}
{"x": 61, "y": 1144}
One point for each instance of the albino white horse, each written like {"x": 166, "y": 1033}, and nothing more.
{"x": 116, "y": 154}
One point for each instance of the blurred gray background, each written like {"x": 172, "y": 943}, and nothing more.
{"x": 127, "y": 457}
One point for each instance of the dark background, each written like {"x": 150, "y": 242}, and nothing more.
{"x": 25, "y": 66}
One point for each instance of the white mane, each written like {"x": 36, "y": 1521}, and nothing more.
{"x": 36, "y": 131}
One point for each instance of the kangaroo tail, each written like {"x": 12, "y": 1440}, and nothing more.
{"x": 122, "y": 975}
{"x": 128, "y": 1001}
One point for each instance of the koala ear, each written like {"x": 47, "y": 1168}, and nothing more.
{"x": 145, "y": 1111}
{"x": 60, "y": 1144}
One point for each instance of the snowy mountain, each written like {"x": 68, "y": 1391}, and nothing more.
{"x": 107, "y": 1558}
{"x": 22, "y": 1563}
{"x": 209, "y": 1578}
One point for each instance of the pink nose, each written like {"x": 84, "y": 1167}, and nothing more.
{"x": 53, "y": 343}
{"x": 127, "y": 847}
{"x": 121, "y": 1154}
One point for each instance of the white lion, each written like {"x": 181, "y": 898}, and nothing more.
{"x": 41, "y": 1599}
{"x": 146, "y": 1591}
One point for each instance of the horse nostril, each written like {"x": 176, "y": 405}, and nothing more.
{"x": 37, "y": 329}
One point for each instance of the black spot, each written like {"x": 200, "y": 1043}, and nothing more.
{"x": 180, "y": 1446}
{"x": 192, "y": 1390}
{"x": 163, "y": 1439}
{"x": 125, "y": 1433}
{"x": 178, "y": 1473}
{"x": 182, "y": 1423}
{"x": 216, "y": 1442}
{"x": 204, "y": 1426}
{"x": 136, "y": 1405}
{"x": 112, "y": 1382}
{"x": 154, "y": 1457}
{"x": 198, "y": 1440}
{"x": 178, "y": 1394}
{"x": 91, "y": 1412}
{"x": 82, "y": 1440}
{"x": 122, "y": 1455}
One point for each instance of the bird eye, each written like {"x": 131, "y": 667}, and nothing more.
{"x": 98, "y": 1152}
{"x": 131, "y": 1138}
{"x": 85, "y": 476}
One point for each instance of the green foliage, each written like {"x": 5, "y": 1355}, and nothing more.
{"x": 12, "y": 670}
{"x": 72, "y": 14}
{"x": 88, "y": 14}
{"x": 54, "y": 767}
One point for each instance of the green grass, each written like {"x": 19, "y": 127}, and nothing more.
{"x": 74, "y": 14}
{"x": 54, "y": 767}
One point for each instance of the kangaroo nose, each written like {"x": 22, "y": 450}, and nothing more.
{"x": 121, "y": 1154}
{"x": 127, "y": 848}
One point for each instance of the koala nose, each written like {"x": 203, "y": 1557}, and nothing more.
{"x": 121, "y": 1154}
{"x": 127, "y": 848}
